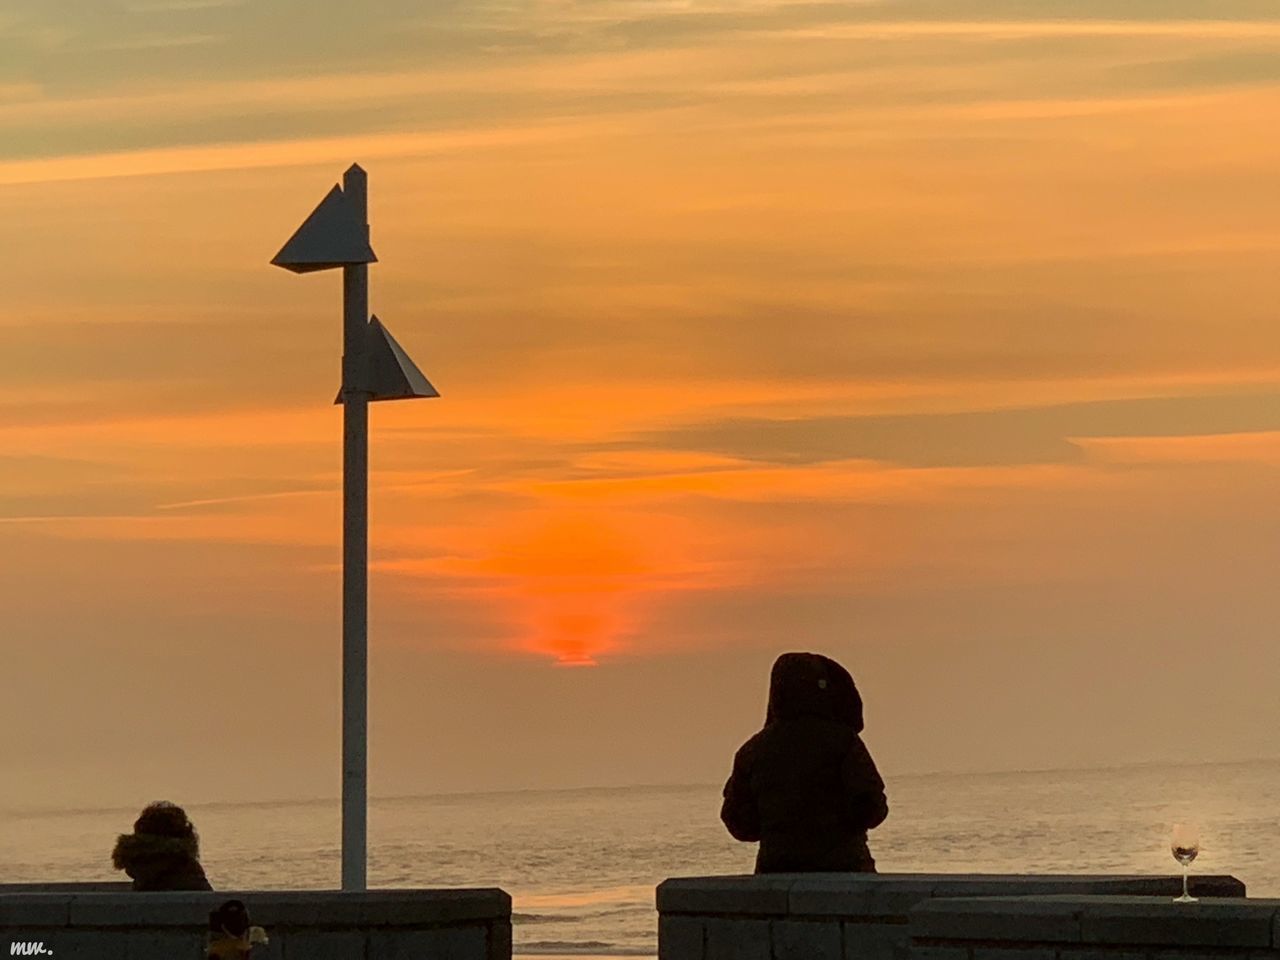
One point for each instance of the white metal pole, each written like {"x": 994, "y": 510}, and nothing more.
{"x": 374, "y": 366}
{"x": 355, "y": 551}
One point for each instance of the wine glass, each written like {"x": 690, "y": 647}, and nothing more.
{"x": 1186, "y": 844}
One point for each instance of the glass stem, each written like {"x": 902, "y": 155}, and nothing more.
{"x": 1185, "y": 869}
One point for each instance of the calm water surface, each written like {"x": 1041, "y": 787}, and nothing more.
{"x": 581, "y": 865}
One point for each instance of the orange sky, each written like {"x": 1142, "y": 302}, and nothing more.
{"x": 939, "y": 337}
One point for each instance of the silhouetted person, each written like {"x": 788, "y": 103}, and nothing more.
{"x": 230, "y": 935}
{"x": 163, "y": 852}
{"x": 805, "y": 785}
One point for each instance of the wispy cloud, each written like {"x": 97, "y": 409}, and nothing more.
{"x": 1043, "y": 434}
{"x": 1031, "y": 29}
{"x": 157, "y": 41}
{"x": 246, "y": 498}
{"x": 1261, "y": 447}
{"x": 734, "y": 297}
{"x": 19, "y": 92}
{"x": 839, "y": 86}
{"x": 179, "y": 6}
{"x": 290, "y": 153}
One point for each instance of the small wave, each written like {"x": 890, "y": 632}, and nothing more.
{"x": 581, "y": 917}
{"x": 629, "y": 910}
{"x": 595, "y": 948}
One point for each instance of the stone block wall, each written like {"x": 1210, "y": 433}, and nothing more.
{"x": 851, "y": 916}
{"x": 1095, "y": 928}
{"x": 68, "y": 886}
{"x": 302, "y": 925}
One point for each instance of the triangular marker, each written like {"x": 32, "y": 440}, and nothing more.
{"x": 332, "y": 236}
{"x": 392, "y": 375}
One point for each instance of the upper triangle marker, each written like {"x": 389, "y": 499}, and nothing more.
{"x": 333, "y": 236}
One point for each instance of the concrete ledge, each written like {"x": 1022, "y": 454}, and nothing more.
{"x": 806, "y": 940}
{"x": 302, "y": 924}
{"x": 1016, "y": 919}
{"x": 892, "y": 895}
{"x": 70, "y": 886}
{"x": 285, "y": 908}
{"x": 38, "y": 909}
{"x": 738, "y": 940}
{"x": 814, "y": 916}
{"x": 1218, "y": 923}
{"x": 742, "y": 896}
{"x": 1100, "y": 926}
{"x": 842, "y": 895}
{"x": 681, "y": 936}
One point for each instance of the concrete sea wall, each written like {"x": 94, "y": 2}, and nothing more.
{"x": 861, "y": 916}
{"x": 68, "y": 886}
{"x": 302, "y": 925}
{"x": 1095, "y": 928}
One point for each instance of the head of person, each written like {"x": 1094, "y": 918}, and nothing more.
{"x": 162, "y": 852}
{"x": 165, "y": 819}
{"x": 230, "y": 935}
{"x": 811, "y": 685}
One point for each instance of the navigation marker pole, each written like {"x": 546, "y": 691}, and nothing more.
{"x": 374, "y": 367}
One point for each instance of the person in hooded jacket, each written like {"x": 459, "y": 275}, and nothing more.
{"x": 805, "y": 786}
{"x": 163, "y": 852}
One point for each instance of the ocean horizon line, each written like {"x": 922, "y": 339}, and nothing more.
{"x": 584, "y": 789}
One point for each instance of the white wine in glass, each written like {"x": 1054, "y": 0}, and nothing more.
{"x": 1186, "y": 845}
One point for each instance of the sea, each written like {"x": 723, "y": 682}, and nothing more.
{"x": 581, "y": 865}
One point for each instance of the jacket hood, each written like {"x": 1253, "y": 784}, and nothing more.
{"x": 811, "y": 685}
{"x": 146, "y": 856}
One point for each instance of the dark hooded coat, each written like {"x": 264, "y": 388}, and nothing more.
{"x": 157, "y": 862}
{"x": 805, "y": 786}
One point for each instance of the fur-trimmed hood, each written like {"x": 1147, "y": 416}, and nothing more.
{"x": 156, "y": 862}
{"x": 811, "y": 685}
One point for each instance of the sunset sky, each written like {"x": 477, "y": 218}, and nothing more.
{"x": 940, "y": 337}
